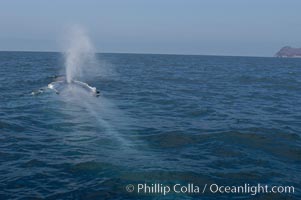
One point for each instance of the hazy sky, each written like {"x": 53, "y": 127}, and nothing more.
{"x": 218, "y": 27}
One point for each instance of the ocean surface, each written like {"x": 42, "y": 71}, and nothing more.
{"x": 160, "y": 119}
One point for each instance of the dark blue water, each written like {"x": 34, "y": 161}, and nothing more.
{"x": 164, "y": 119}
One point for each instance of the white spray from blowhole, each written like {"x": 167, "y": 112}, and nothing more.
{"x": 80, "y": 54}
{"x": 81, "y": 64}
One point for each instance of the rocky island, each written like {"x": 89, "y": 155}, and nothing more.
{"x": 289, "y": 52}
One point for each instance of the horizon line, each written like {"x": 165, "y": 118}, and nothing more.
{"x": 175, "y": 54}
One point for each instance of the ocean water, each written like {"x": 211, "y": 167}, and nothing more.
{"x": 165, "y": 119}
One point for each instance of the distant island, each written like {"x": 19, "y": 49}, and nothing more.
{"x": 289, "y": 52}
